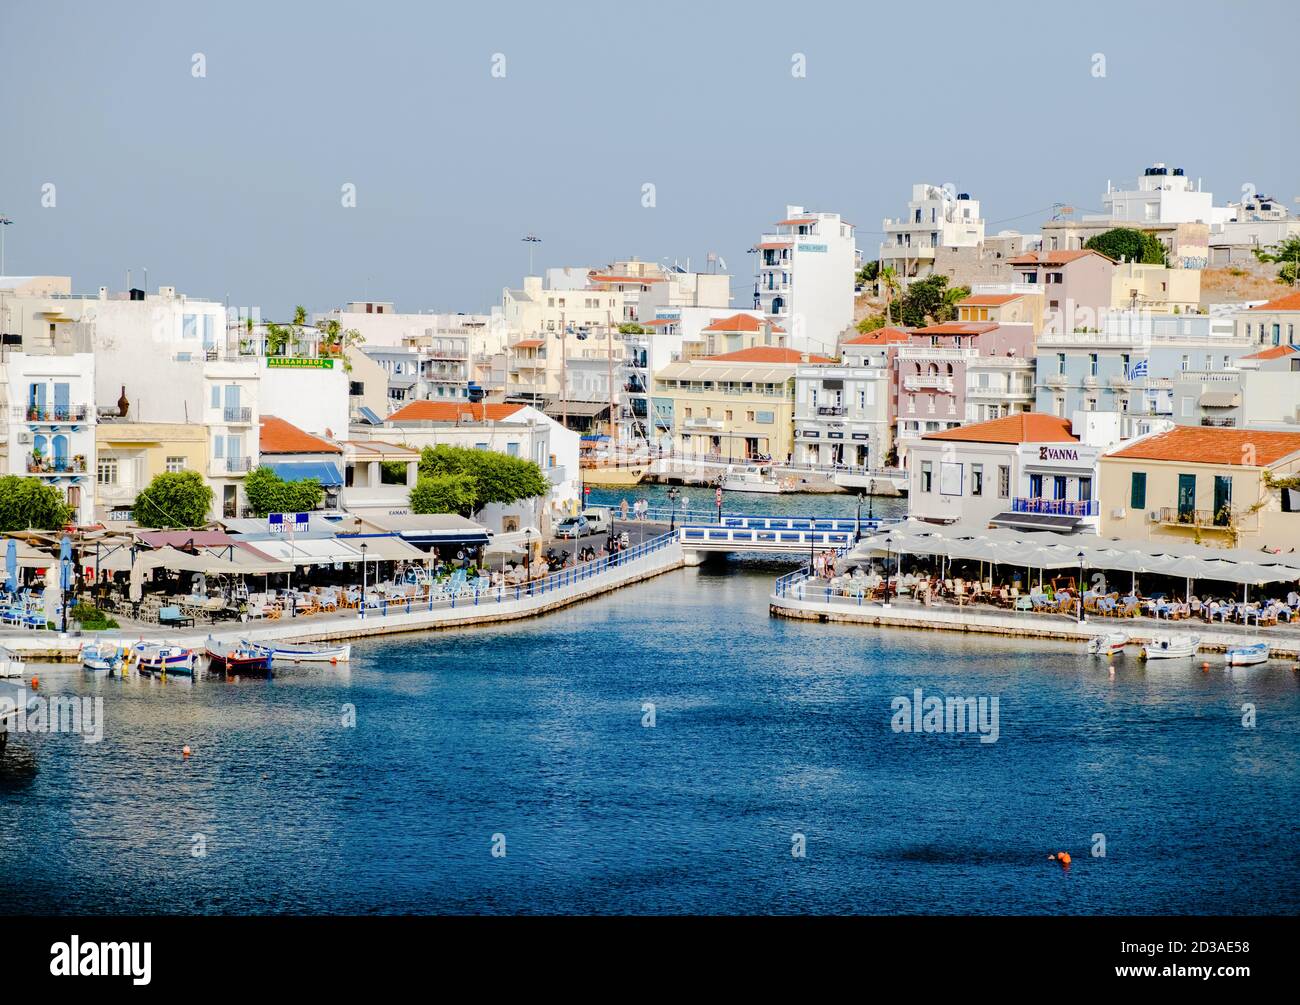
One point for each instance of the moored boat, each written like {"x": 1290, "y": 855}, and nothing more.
{"x": 1166, "y": 647}
{"x": 1107, "y": 643}
{"x": 10, "y": 664}
{"x": 104, "y": 656}
{"x": 286, "y": 653}
{"x": 753, "y": 478}
{"x": 1247, "y": 654}
{"x": 614, "y": 477}
{"x": 238, "y": 658}
{"x": 151, "y": 658}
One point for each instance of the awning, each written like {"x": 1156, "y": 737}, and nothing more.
{"x": 384, "y": 547}
{"x": 310, "y": 551}
{"x": 1036, "y": 521}
{"x": 1220, "y": 399}
{"x": 427, "y": 530}
{"x": 577, "y": 409}
{"x": 325, "y": 472}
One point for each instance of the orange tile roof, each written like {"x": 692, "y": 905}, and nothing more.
{"x": 1290, "y": 302}
{"x": 958, "y": 328}
{"x": 454, "y": 411}
{"x": 739, "y": 323}
{"x": 771, "y": 354}
{"x": 281, "y": 437}
{"x": 880, "y": 336}
{"x": 989, "y": 299}
{"x": 776, "y": 244}
{"x": 529, "y": 343}
{"x": 1273, "y": 352}
{"x": 656, "y": 322}
{"x": 1055, "y": 257}
{"x": 1213, "y": 445}
{"x": 1024, "y": 427}
{"x": 796, "y": 222}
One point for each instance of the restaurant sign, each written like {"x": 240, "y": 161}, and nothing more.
{"x": 300, "y": 362}
{"x": 1058, "y": 454}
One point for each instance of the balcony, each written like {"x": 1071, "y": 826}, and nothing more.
{"x": 237, "y": 415}
{"x": 1055, "y": 380}
{"x": 56, "y": 465}
{"x": 51, "y": 416}
{"x": 1055, "y": 507}
{"x": 232, "y": 465}
{"x": 928, "y": 382}
{"x": 831, "y": 410}
{"x": 714, "y": 425}
{"x": 555, "y": 474}
{"x": 1174, "y": 516}
{"x": 1224, "y": 423}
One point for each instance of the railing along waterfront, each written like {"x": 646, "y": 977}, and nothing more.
{"x": 472, "y": 596}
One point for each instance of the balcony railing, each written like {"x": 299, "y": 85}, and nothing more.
{"x": 65, "y": 413}
{"x": 831, "y": 410}
{"x": 56, "y": 465}
{"x": 1225, "y": 422}
{"x": 237, "y": 414}
{"x": 713, "y": 424}
{"x": 1195, "y": 517}
{"x": 237, "y": 465}
{"x": 1054, "y": 507}
{"x": 926, "y": 382}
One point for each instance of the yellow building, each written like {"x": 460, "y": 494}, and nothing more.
{"x": 1156, "y": 288}
{"x": 1205, "y": 485}
{"x": 733, "y": 406}
{"x": 1003, "y": 308}
{"x": 130, "y": 454}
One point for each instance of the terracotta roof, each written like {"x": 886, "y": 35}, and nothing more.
{"x": 1290, "y": 302}
{"x": 1273, "y": 352}
{"x": 989, "y": 299}
{"x": 656, "y": 322}
{"x": 453, "y": 411}
{"x": 957, "y": 328}
{"x": 1213, "y": 445}
{"x": 529, "y": 343}
{"x": 770, "y": 354}
{"x": 280, "y": 437}
{"x": 740, "y": 323}
{"x": 624, "y": 279}
{"x": 776, "y": 244}
{"x": 880, "y": 336}
{"x": 796, "y": 221}
{"x": 1024, "y": 427}
{"x": 1056, "y": 257}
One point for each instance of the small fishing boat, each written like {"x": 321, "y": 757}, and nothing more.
{"x": 238, "y": 658}
{"x": 10, "y": 664}
{"x": 1107, "y": 643}
{"x": 1168, "y": 647}
{"x": 1246, "y": 655}
{"x": 151, "y": 658}
{"x": 753, "y": 478}
{"x": 105, "y": 656}
{"x": 614, "y": 477}
{"x": 285, "y": 653}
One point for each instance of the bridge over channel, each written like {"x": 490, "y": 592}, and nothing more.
{"x": 703, "y": 531}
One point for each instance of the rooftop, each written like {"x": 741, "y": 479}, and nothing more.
{"x": 881, "y": 336}
{"x": 1024, "y": 427}
{"x": 769, "y": 354}
{"x": 1056, "y": 257}
{"x": 740, "y": 323}
{"x": 454, "y": 411}
{"x": 1290, "y": 302}
{"x": 989, "y": 299}
{"x": 957, "y": 328}
{"x": 281, "y": 437}
{"x": 1213, "y": 445}
{"x": 1274, "y": 352}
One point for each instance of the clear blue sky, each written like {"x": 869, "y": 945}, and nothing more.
{"x": 229, "y": 185}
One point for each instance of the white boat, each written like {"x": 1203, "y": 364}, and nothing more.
{"x": 152, "y": 658}
{"x": 1107, "y": 643}
{"x": 286, "y": 653}
{"x": 10, "y": 664}
{"x": 752, "y": 478}
{"x": 105, "y": 656}
{"x": 1247, "y": 655}
{"x": 1167, "y": 647}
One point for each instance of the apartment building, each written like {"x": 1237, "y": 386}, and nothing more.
{"x": 648, "y": 287}
{"x": 1259, "y": 389}
{"x": 1155, "y": 288}
{"x": 129, "y": 455}
{"x": 1202, "y": 484}
{"x": 1276, "y": 322}
{"x": 938, "y": 219}
{"x": 1077, "y": 286}
{"x": 297, "y": 455}
{"x": 804, "y": 277}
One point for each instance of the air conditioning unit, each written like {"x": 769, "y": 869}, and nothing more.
{"x": 1153, "y": 516}
{"x": 1118, "y": 514}
{"x": 24, "y": 436}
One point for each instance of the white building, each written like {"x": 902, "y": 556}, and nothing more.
{"x": 842, "y": 411}
{"x": 1161, "y": 195}
{"x": 937, "y": 217}
{"x": 804, "y": 277}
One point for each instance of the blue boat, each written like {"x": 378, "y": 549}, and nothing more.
{"x": 1247, "y": 655}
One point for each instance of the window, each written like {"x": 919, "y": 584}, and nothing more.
{"x": 175, "y": 465}
{"x": 927, "y": 476}
{"x": 977, "y": 479}
{"x": 749, "y": 416}
{"x": 728, "y": 415}
{"x": 1137, "y": 492}
{"x": 219, "y": 448}
{"x": 1183, "y": 363}
{"x": 216, "y": 396}
{"x": 107, "y": 473}
{"x": 512, "y": 449}
{"x": 1092, "y": 364}
{"x": 1004, "y": 481}
{"x": 1060, "y": 363}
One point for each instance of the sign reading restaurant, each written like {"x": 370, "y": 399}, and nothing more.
{"x": 300, "y": 362}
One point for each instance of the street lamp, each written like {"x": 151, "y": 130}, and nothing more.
{"x": 857, "y": 521}
{"x": 363, "y": 578}
{"x": 528, "y": 557}
{"x": 531, "y": 239}
{"x": 1081, "y": 557}
{"x": 871, "y": 504}
{"x": 673, "y": 493}
{"x": 889, "y": 547}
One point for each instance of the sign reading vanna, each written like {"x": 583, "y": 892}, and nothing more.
{"x": 1058, "y": 454}
{"x": 300, "y": 362}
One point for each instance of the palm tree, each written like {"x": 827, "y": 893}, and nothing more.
{"x": 952, "y": 296}
{"x": 888, "y": 277}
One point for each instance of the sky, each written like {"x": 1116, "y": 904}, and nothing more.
{"x": 465, "y": 126}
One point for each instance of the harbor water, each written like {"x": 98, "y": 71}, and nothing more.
{"x": 666, "y": 748}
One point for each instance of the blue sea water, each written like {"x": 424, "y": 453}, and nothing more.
{"x": 764, "y": 729}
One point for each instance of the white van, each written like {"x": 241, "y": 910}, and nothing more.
{"x": 600, "y": 519}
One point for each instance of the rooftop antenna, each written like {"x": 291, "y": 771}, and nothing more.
{"x": 532, "y": 240}
{"x": 4, "y": 222}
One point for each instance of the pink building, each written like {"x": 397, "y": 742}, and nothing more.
{"x": 1076, "y": 286}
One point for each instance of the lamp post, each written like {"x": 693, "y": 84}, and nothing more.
{"x": 1081, "y": 557}
{"x": 673, "y": 493}
{"x": 871, "y": 504}
{"x": 857, "y": 521}
{"x": 889, "y": 549}
{"x": 363, "y": 578}
{"x": 528, "y": 557}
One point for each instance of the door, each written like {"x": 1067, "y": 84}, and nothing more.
{"x": 232, "y": 403}
{"x": 1058, "y": 486}
{"x": 36, "y": 401}
{"x": 1186, "y": 498}
{"x": 62, "y": 401}
{"x": 229, "y": 501}
{"x": 1222, "y": 500}
{"x": 1035, "y": 486}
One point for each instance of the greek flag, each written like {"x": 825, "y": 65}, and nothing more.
{"x": 1136, "y": 370}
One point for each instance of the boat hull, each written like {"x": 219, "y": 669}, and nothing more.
{"x": 302, "y": 654}
{"x": 1170, "y": 649}
{"x": 169, "y": 661}
{"x": 613, "y": 477}
{"x": 1103, "y": 645}
{"x": 1246, "y": 656}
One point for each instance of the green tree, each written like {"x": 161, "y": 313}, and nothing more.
{"x": 336, "y": 340}
{"x": 871, "y": 323}
{"x": 269, "y": 493}
{"x": 446, "y": 493}
{"x": 931, "y": 301}
{"x": 868, "y": 273}
{"x": 30, "y": 504}
{"x": 498, "y": 478}
{"x": 1126, "y": 243}
{"x": 631, "y": 328}
{"x": 889, "y": 280}
{"x": 174, "y": 499}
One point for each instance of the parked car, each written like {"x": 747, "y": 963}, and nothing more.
{"x": 574, "y": 526}
{"x": 599, "y": 518}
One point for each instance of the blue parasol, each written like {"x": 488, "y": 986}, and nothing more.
{"x": 11, "y": 566}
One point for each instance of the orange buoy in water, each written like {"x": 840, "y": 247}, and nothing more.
{"x": 1064, "y": 858}
{"x": 36, "y": 682}
{"x": 185, "y": 750}
{"x": 1205, "y": 665}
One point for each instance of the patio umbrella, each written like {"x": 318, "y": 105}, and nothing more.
{"x": 11, "y": 566}
{"x": 65, "y": 564}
